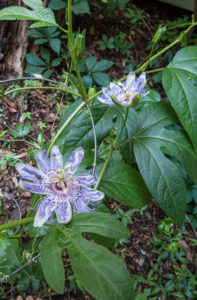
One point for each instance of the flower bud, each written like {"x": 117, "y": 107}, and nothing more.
{"x": 125, "y": 94}
{"x": 78, "y": 43}
{"x": 158, "y": 34}
{"x": 91, "y": 92}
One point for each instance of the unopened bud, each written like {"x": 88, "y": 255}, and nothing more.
{"x": 78, "y": 43}
{"x": 158, "y": 34}
{"x": 136, "y": 100}
{"x": 91, "y": 92}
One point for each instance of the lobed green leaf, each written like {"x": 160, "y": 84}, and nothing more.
{"x": 178, "y": 83}
{"x": 124, "y": 184}
{"x": 51, "y": 261}
{"x": 103, "y": 274}
{"x": 101, "y": 223}
{"x": 21, "y": 13}
{"x": 162, "y": 177}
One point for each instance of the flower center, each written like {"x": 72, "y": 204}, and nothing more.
{"x": 59, "y": 180}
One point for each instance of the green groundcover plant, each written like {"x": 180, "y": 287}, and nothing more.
{"x": 134, "y": 135}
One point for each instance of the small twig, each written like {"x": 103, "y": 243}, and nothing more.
{"x": 17, "y": 157}
{"x": 39, "y": 79}
{"x": 6, "y": 277}
{"x": 191, "y": 226}
{"x": 104, "y": 167}
{"x": 95, "y": 139}
{"x": 21, "y": 155}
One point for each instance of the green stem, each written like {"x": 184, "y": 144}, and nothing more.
{"x": 15, "y": 140}
{"x": 123, "y": 143}
{"x": 178, "y": 40}
{"x": 71, "y": 42}
{"x": 10, "y": 236}
{"x": 177, "y": 26}
{"x": 42, "y": 88}
{"x": 62, "y": 29}
{"x": 154, "y": 71}
{"x": 16, "y": 223}
{"x": 123, "y": 126}
{"x": 104, "y": 167}
{"x": 66, "y": 124}
{"x": 144, "y": 66}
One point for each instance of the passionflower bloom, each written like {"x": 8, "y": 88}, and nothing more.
{"x": 126, "y": 93}
{"x": 64, "y": 191}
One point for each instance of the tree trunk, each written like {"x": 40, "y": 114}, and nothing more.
{"x": 13, "y": 41}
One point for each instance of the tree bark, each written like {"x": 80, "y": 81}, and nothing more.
{"x": 13, "y": 41}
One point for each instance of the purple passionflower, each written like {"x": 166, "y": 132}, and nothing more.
{"x": 127, "y": 93}
{"x": 64, "y": 191}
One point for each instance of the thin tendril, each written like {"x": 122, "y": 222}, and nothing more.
{"x": 35, "y": 78}
{"x": 95, "y": 140}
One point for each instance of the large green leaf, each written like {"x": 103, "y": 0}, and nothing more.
{"x": 129, "y": 130}
{"x": 162, "y": 177}
{"x": 81, "y": 131}
{"x": 69, "y": 109}
{"x": 41, "y": 14}
{"x": 34, "y": 3}
{"x": 179, "y": 86}
{"x": 10, "y": 255}
{"x": 124, "y": 184}
{"x": 103, "y": 274}
{"x": 179, "y": 144}
{"x": 100, "y": 223}
{"x": 51, "y": 261}
{"x": 152, "y": 96}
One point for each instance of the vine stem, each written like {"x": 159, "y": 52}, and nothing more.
{"x": 70, "y": 43}
{"x": 62, "y": 29}
{"x": 2, "y": 235}
{"x": 41, "y": 88}
{"x": 144, "y": 66}
{"x": 15, "y": 140}
{"x": 104, "y": 167}
{"x": 154, "y": 71}
{"x": 16, "y": 223}
{"x": 123, "y": 126}
{"x": 110, "y": 152}
{"x": 65, "y": 125}
{"x": 123, "y": 143}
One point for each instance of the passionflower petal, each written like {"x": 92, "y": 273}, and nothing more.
{"x": 125, "y": 94}
{"x": 65, "y": 192}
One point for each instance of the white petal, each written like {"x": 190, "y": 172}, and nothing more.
{"x": 44, "y": 212}
{"x": 143, "y": 77}
{"x": 29, "y": 173}
{"x": 43, "y": 161}
{"x": 56, "y": 158}
{"x": 75, "y": 159}
{"x": 64, "y": 212}
{"x": 91, "y": 194}
{"x": 130, "y": 80}
{"x": 115, "y": 89}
